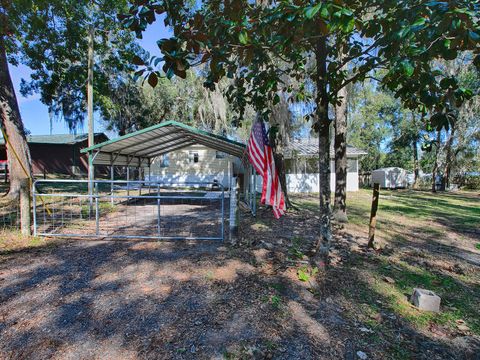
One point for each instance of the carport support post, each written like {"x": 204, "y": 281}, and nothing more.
{"x": 128, "y": 180}
{"x": 233, "y": 228}
{"x": 139, "y": 177}
{"x": 90, "y": 180}
{"x": 112, "y": 178}
{"x": 97, "y": 215}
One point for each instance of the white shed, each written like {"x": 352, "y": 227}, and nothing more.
{"x": 391, "y": 177}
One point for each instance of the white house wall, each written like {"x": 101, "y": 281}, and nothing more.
{"x": 181, "y": 170}
{"x": 209, "y": 168}
{"x": 305, "y": 183}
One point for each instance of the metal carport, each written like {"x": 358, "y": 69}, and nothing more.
{"x": 138, "y": 148}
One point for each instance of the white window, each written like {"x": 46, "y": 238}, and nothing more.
{"x": 193, "y": 157}
{"x": 164, "y": 161}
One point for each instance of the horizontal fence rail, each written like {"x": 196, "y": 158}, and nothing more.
{"x": 129, "y": 209}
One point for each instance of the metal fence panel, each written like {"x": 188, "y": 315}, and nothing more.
{"x": 129, "y": 209}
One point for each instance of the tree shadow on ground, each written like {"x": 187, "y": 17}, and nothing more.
{"x": 149, "y": 300}
{"x": 200, "y": 300}
{"x": 389, "y": 320}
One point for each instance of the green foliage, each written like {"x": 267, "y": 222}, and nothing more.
{"x": 371, "y": 111}
{"x": 104, "y": 208}
{"x": 276, "y": 301}
{"x": 134, "y": 106}
{"x": 295, "y": 251}
{"x": 305, "y": 273}
{"x": 274, "y": 298}
{"x": 469, "y": 182}
{"x": 240, "y": 42}
{"x": 50, "y": 37}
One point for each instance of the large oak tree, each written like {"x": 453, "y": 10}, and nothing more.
{"x": 243, "y": 41}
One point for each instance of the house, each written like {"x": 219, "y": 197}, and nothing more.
{"x": 57, "y": 154}
{"x": 196, "y": 163}
{"x": 301, "y": 162}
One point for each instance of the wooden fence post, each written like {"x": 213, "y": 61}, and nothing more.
{"x": 373, "y": 218}
{"x": 25, "y": 218}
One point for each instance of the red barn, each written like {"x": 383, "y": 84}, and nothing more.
{"x": 57, "y": 154}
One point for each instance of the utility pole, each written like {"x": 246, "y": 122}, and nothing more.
{"x": 91, "y": 34}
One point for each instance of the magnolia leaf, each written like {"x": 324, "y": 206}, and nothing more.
{"x": 170, "y": 72}
{"x": 418, "y": 23}
{"x": 445, "y": 83}
{"x": 324, "y": 13}
{"x": 181, "y": 73}
{"x": 137, "y": 60}
{"x": 310, "y": 12}
{"x": 440, "y": 121}
{"x": 407, "y": 68}
{"x": 474, "y": 36}
{"x": 243, "y": 37}
{"x": 276, "y": 99}
{"x": 152, "y": 79}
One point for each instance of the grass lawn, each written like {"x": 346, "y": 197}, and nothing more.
{"x": 432, "y": 241}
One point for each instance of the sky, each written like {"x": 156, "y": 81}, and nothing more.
{"x": 35, "y": 114}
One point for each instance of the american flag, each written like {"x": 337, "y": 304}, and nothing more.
{"x": 260, "y": 155}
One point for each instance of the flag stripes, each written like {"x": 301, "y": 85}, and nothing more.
{"x": 260, "y": 154}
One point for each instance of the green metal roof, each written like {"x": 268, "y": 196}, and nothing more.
{"x": 142, "y": 145}
{"x": 58, "y": 139}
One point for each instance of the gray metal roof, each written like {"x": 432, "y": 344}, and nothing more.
{"x": 58, "y": 139}
{"x": 309, "y": 147}
{"x": 139, "y": 147}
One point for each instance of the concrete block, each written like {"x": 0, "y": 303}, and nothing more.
{"x": 426, "y": 300}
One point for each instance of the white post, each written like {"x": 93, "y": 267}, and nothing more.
{"x": 233, "y": 223}
{"x": 112, "y": 179}
{"x": 128, "y": 180}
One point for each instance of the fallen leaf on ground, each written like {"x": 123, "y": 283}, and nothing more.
{"x": 388, "y": 280}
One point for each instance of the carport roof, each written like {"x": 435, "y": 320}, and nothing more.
{"x": 163, "y": 138}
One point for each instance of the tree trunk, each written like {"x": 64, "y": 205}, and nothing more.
{"x": 448, "y": 159}
{"x": 282, "y": 176}
{"x": 416, "y": 167}
{"x": 25, "y": 218}
{"x": 435, "y": 164}
{"x": 11, "y": 123}
{"x": 340, "y": 203}
{"x": 323, "y": 127}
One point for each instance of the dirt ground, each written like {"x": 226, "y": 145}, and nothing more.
{"x": 76, "y": 299}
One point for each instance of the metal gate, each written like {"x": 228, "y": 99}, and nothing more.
{"x": 129, "y": 209}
